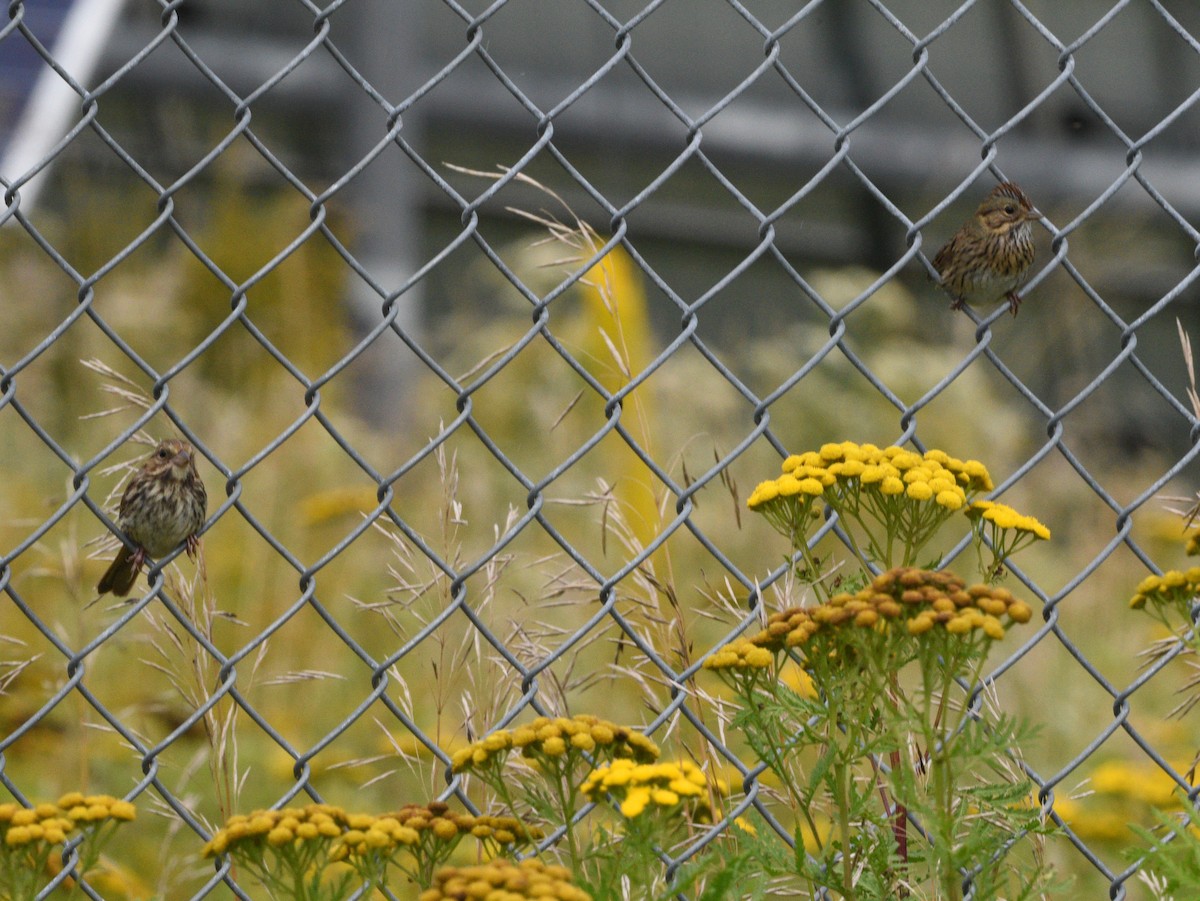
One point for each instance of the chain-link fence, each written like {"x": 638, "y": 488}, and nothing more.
{"x": 459, "y": 476}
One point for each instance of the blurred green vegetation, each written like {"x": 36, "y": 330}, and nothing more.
{"x": 304, "y": 679}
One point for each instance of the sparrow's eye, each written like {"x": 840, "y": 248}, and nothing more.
{"x": 1010, "y": 209}
{"x": 163, "y": 453}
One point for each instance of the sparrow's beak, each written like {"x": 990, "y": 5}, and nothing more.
{"x": 182, "y": 460}
{"x": 1034, "y": 214}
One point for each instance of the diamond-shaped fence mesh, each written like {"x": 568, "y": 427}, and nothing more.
{"x": 485, "y": 318}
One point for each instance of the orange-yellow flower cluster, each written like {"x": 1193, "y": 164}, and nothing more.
{"x": 1005, "y": 517}
{"x": 916, "y": 600}
{"x": 52, "y": 823}
{"x": 33, "y": 838}
{"x": 890, "y": 499}
{"x": 81, "y": 808}
{"x": 358, "y": 833}
{"x": 551, "y": 738}
{"x": 367, "y": 834}
{"x": 277, "y": 828}
{"x": 890, "y": 470}
{"x": 640, "y": 785}
{"x": 1192, "y": 547}
{"x": 742, "y": 654}
{"x": 502, "y": 880}
{"x": 43, "y": 823}
{"x": 284, "y": 848}
{"x": 1171, "y": 589}
{"x": 1006, "y": 530}
{"x": 437, "y": 819}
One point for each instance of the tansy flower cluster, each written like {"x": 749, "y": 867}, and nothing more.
{"x": 559, "y": 752}
{"x": 430, "y": 824}
{"x": 315, "y": 823}
{"x": 428, "y": 833}
{"x": 502, "y": 880}
{"x": 1006, "y": 530}
{"x": 367, "y": 834}
{"x": 438, "y": 820}
{"x": 1003, "y": 517}
{"x": 25, "y": 825}
{"x": 914, "y": 600}
{"x": 1173, "y": 589}
{"x": 80, "y": 808}
{"x": 847, "y": 467}
{"x": 889, "y": 493}
{"x": 742, "y": 654}
{"x": 545, "y": 739}
{"x": 292, "y": 847}
{"x": 637, "y": 785}
{"x": 32, "y": 834}
{"x": 51, "y": 823}
{"x": 1169, "y": 597}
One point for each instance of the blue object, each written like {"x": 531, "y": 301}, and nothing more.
{"x": 20, "y": 64}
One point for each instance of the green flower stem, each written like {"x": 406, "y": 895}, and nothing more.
{"x": 839, "y": 774}
{"x": 811, "y": 567}
{"x": 899, "y": 814}
{"x": 944, "y": 780}
{"x": 500, "y": 786}
{"x": 566, "y": 802}
{"x": 430, "y": 854}
{"x": 778, "y": 746}
{"x": 22, "y": 870}
{"x": 850, "y": 507}
{"x": 940, "y": 723}
{"x": 875, "y": 550}
{"x": 942, "y": 774}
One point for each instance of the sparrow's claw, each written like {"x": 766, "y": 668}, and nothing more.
{"x": 1013, "y": 302}
{"x": 193, "y": 546}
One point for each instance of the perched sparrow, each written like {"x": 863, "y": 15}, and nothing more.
{"x": 163, "y": 504}
{"x": 988, "y": 257}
